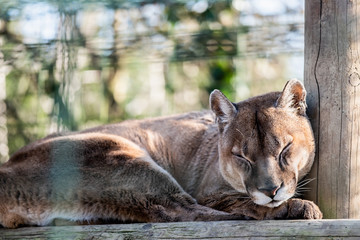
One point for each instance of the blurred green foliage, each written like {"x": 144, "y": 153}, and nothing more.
{"x": 70, "y": 65}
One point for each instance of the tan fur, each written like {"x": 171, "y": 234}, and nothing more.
{"x": 232, "y": 163}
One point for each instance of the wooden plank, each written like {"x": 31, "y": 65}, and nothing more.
{"x": 332, "y": 80}
{"x": 299, "y": 229}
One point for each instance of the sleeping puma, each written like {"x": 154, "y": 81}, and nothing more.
{"x": 240, "y": 161}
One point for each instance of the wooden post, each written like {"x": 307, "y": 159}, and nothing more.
{"x": 4, "y": 150}
{"x": 332, "y": 79}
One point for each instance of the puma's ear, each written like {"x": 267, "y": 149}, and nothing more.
{"x": 221, "y": 106}
{"x": 293, "y": 97}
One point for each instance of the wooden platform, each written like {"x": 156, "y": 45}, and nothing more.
{"x": 296, "y": 229}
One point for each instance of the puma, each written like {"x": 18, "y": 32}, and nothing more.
{"x": 240, "y": 161}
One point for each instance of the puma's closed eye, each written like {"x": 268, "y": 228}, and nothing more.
{"x": 240, "y": 156}
{"x": 283, "y": 152}
{"x": 237, "y": 155}
{"x": 287, "y": 147}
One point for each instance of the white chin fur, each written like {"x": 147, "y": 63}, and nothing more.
{"x": 261, "y": 199}
{"x": 267, "y": 202}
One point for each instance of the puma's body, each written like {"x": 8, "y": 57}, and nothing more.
{"x": 232, "y": 163}
{"x": 185, "y": 146}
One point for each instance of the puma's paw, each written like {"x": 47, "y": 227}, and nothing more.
{"x": 303, "y": 209}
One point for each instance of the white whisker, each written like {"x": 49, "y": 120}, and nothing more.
{"x": 305, "y": 182}
{"x": 300, "y": 188}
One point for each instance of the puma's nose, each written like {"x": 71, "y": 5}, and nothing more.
{"x": 270, "y": 191}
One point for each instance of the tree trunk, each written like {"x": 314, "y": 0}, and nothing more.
{"x": 332, "y": 81}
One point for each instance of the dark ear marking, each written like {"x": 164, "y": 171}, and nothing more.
{"x": 293, "y": 97}
{"x": 235, "y": 106}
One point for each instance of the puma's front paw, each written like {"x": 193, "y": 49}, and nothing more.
{"x": 303, "y": 209}
{"x": 295, "y": 209}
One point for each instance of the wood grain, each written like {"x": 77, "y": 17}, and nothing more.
{"x": 299, "y": 229}
{"x": 332, "y": 80}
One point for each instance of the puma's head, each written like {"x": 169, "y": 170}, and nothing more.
{"x": 266, "y": 143}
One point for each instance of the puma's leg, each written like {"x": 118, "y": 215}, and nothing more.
{"x": 90, "y": 177}
{"x": 143, "y": 192}
{"x": 154, "y": 208}
{"x": 124, "y": 184}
